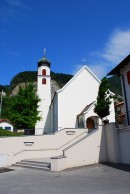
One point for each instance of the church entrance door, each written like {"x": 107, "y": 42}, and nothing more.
{"x": 90, "y": 124}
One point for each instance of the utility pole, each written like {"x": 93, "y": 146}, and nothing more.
{"x": 1, "y": 103}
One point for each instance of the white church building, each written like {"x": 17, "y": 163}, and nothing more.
{"x": 72, "y": 106}
{"x": 75, "y": 135}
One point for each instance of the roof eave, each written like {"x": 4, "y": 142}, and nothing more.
{"x": 116, "y": 70}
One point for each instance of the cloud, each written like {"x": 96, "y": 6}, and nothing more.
{"x": 117, "y": 46}
{"x": 99, "y": 70}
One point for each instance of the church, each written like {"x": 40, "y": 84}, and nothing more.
{"x": 71, "y": 106}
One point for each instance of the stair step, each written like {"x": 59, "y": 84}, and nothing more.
{"x": 31, "y": 166}
{"x": 41, "y": 164}
{"x": 35, "y": 164}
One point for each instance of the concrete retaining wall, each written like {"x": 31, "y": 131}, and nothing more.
{"x": 18, "y": 148}
{"x": 124, "y": 139}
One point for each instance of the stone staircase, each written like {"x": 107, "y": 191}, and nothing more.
{"x": 40, "y": 164}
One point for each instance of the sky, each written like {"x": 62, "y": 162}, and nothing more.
{"x": 75, "y": 33}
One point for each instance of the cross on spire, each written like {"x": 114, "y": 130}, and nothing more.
{"x": 83, "y": 61}
{"x": 44, "y": 52}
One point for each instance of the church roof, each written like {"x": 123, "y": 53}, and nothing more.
{"x": 44, "y": 62}
{"x": 116, "y": 70}
{"x": 86, "y": 108}
{"x": 84, "y": 67}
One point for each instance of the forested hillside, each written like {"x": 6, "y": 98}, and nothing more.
{"x": 60, "y": 78}
{"x": 115, "y": 85}
{"x": 31, "y": 76}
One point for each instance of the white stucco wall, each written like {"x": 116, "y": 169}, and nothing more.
{"x": 91, "y": 113}
{"x": 124, "y": 138}
{"x": 76, "y": 95}
{"x": 43, "y": 146}
{"x": 112, "y": 143}
{"x": 44, "y": 93}
{"x": 5, "y": 124}
{"x": 111, "y": 116}
{"x": 72, "y": 99}
{"x": 91, "y": 150}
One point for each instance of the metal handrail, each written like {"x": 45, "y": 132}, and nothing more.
{"x": 70, "y": 146}
{"x": 48, "y": 148}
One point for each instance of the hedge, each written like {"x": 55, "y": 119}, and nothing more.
{"x": 4, "y": 132}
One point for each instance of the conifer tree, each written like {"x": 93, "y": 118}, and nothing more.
{"x": 103, "y": 99}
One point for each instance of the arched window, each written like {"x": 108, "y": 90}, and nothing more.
{"x": 43, "y": 81}
{"x": 128, "y": 77}
{"x": 44, "y": 72}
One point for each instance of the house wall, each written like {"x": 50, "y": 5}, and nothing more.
{"x": 119, "y": 108}
{"x": 124, "y": 71}
{"x": 3, "y": 125}
{"x": 72, "y": 99}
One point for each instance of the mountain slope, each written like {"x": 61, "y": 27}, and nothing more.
{"x": 58, "y": 80}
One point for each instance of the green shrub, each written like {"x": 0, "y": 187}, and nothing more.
{"x": 4, "y": 132}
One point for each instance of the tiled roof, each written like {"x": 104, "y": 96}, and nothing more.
{"x": 5, "y": 120}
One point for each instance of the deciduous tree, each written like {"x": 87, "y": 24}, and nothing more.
{"x": 24, "y": 107}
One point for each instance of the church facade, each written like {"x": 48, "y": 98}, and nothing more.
{"x": 72, "y": 106}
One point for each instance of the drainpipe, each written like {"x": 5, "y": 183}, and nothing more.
{"x": 124, "y": 90}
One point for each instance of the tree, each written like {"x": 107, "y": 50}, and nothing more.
{"x": 103, "y": 99}
{"x": 5, "y": 107}
{"x": 23, "y": 108}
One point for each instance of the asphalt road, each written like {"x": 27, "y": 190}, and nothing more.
{"x": 96, "y": 179}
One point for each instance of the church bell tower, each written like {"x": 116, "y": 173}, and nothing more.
{"x": 44, "y": 93}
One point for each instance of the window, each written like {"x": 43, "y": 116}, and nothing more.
{"x": 128, "y": 77}
{"x": 43, "y": 81}
{"x": 81, "y": 123}
{"x": 8, "y": 128}
{"x": 44, "y": 72}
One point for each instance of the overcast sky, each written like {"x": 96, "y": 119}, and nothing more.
{"x": 74, "y": 33}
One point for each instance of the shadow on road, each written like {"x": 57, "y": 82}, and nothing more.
{"x": 124, "y": 167}
{"x": 2, "y": 170}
